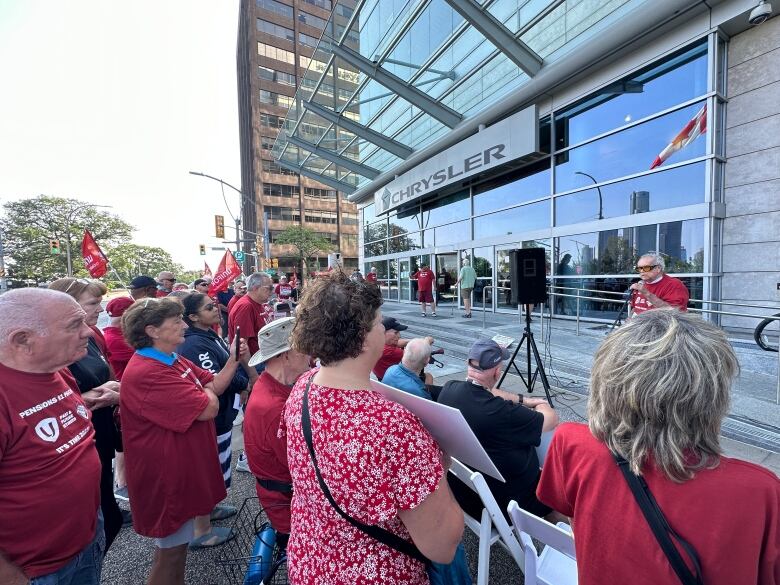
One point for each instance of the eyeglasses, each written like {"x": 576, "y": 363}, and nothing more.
{"x": 209, "y": 307}
{"x": 646, "y": 268}
{"x": 83, "y": 281}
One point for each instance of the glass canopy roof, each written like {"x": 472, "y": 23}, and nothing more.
{"x": 389, "y": 77}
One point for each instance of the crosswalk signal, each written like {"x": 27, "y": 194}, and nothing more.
{"x": 203, "y": 249}
{"x": 219, "y": 226}
{"x": 54, "y": 246}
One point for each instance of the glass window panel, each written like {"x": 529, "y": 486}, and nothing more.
{"x": 375, "y": 249}
{"x": 274, "y": 6}
{"x": 429, "y": 239}
{"x": 682, "y": 244}
{"x": 311, "y": 20}
{"x": 324, "y": 4}
{"x": 450, "y": 208}
{"x": 404, "y": 243}
{"x": 672, "y": 188}
{"x": 530, "y": 183}
{"x": 627, "y": 152}
{"x": 375, "y": 231}
{"x": 381, "y": 268}
{"x": 453, "y": 233}
{"x": 482, "y": 262}
{"x": 513, "y": 221}
{"x": 276, "y": 30}
{"x": 678, "y": 79}
{"x": 405, "y": 220}
{"x": 369, "y": 213}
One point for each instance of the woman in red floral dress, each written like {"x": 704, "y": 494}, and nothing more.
{"x": 377, "y": 460}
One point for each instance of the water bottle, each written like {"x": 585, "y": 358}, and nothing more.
{"x": 262, "y": 556}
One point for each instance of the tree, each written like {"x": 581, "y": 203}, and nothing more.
{"x": 306, "y": 241}
{"x": 131, "y": 260}
{"x": 31, "y": 224}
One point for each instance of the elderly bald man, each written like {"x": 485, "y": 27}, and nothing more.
{"x": 406, "y": 375}
{"x": 49, "y": 468}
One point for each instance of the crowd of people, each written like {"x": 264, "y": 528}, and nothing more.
{"x": 354, "y": 485}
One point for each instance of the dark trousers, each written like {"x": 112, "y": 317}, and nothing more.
{"x": 112, "y": 515}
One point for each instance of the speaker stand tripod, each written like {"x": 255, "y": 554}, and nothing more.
{"x": 530, "y": 347}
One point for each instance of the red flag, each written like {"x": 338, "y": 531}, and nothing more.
{"x": 94, "y": 259}
{"x": 207, "y": 270}
{"x": 690, "y": 132}
{"x": 228, "y": 271}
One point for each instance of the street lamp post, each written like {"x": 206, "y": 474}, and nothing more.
{"x": 595, "y": 182}
{"x": 243, "y": 198}
{"x": 67, "y": 233}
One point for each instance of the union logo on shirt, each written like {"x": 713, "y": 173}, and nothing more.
{"x": 48, "y": 429}
{"x": 81, "y": 410}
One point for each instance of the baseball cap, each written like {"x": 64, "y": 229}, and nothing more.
{"x": 273, "y": 339}
{"x": 487, "y": 353}
{"x": 392, "y": 323}
{"x": 117, "y": 307}
{"x": 142, "y": 282}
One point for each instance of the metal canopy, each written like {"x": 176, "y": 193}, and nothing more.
{"x": 357, "y": 129}
{"x": 499, "y": 35}
{"x": 341, "y": 161}
{"x": 335, "y": 183}
{"x": 397, "y": 85}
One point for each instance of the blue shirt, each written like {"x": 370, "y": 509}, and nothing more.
{"x": 402, "y": 378}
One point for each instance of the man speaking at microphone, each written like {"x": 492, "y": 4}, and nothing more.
{"x": 655, "y": 288}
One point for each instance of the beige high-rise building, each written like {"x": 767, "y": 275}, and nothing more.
{"x": 276, "y": 41}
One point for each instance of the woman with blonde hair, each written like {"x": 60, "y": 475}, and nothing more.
{"x": 659, "y": 393}
{"x": 100, "y": 392}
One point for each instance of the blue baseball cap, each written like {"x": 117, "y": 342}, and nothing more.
{"x": 487, "y": 353}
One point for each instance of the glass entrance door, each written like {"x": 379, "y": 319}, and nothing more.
{"x": 405, "y": 283}
{"x": 446, "y": 275}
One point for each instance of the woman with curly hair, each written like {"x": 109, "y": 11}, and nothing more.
{"x": 378, "y": 463}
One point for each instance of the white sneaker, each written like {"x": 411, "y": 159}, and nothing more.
{"x": 243, "y": 463}
{"x": 239, "y": 418}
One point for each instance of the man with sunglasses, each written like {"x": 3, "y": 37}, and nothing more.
{"x": 655, "y": 288}
{"x": 251, "y": 312}
{"x": 166, "y": 280}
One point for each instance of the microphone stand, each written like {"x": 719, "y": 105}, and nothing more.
{"x": 629, "y": 294}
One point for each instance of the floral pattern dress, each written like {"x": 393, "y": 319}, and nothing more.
{"x": 376, "y": 458}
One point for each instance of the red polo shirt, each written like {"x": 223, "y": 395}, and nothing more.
{"x": 391, "y": 355}
{"x": 173, "y": 470}
{"x": 266, "y": 451}
{"x": 49, "y": 471}
{"x": 118, "y": 352}
{"x": 371, "y": 277}
{"x": 425, "y": 279}
{"x": 251, "y": 317}
{"x": 668, "y": 289}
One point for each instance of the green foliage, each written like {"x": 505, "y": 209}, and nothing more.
{"x": 306, "y": 242}
{"x": 131, "y": 260}
{"x": 30, "y": 224}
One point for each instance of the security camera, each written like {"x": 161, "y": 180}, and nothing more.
{"x": 760, "y": 13}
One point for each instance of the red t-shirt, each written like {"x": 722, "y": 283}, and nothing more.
{"x": 172, "y": 465}
{"x": 730, "y": 514}
{"x": 117, "y": 350}
{"x": 391, "y": 355}
{"x": 376, "y": 458}
{"x": 283, "y": 291}
{"x": 49, "y": 471}
{"x": 251, "y": 317}
{"x": 669, "y": 289}
{"x": 371, "y": 277}
{"x": 265, "y": 450}
{"x": 162, "y": 293}
{"x": 425, "y": 279}
{"x": 233, "y": 300}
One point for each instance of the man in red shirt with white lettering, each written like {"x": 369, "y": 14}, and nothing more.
{"x": 251, "y": 311}
{"x": 425, "y": 278}
{"x": 283, "y": 290}
{"x": 656, "y": 288}
{"x": 49, "y": 467}
{"x": 264, "y": 449}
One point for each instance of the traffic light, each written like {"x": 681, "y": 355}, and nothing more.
{"x": 219, "y": 226}
{"x": 54, "y": 246}
{"x": 274, "y": 262}
{"x": 203, "y": 249}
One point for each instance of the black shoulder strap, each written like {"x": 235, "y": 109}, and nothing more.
{"x": 661, "y": 528}
{"x": 388, "y": 538}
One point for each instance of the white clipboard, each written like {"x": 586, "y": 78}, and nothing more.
{"x": 447, "y": 426}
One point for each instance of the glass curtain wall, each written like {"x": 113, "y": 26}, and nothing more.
{"x": 637, "y": 146}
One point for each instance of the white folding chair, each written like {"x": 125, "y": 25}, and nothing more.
{"x": 492, "y": 527}
{"x": 557, "y": 564}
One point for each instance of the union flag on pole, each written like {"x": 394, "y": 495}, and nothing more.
{"x": 228, "y": 271}
{"x": 94, "y": 259}
{"x": 691, "y": 131}
{"x": 206, "y": 269}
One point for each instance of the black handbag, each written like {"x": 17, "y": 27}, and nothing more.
{"x": 661, "y": 529}
{"x": 385, "y": 537}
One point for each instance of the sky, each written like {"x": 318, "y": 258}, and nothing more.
{"x": 113, "y": 103}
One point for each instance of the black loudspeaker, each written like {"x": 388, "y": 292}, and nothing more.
{"x": 528, "y": 276}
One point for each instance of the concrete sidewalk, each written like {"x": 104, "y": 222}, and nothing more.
{"x": 751, "y": 432}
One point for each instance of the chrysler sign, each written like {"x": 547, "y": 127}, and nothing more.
{"x": 507, "y": 140}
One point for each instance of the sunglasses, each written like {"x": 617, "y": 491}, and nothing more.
{"x": 83, "y": 281}
{"x": 209, "y": 307}
{"x": 646, "y": 268}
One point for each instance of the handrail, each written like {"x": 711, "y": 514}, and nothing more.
{"x": 491, "y": 287}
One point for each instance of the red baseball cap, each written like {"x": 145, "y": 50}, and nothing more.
{"x": 117, "y": 307}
